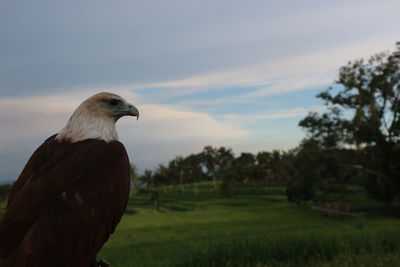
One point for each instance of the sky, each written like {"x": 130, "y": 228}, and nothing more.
{"x": 239, "y": 74}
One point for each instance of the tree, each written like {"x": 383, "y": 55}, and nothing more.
{"x": 245, "y": 167}
{"x": 193, "y": 170}
{"x": 147, "y": 179}
{"x": 224, "y": 171}
{"x": 270, "y": 165}
{"x": 161, "y": 177}
{"x": 318, "y": 174}
{"x": 363, "y": 112}
{"x": 175, "y": 167}
{"x": 218, "y": 163}
{"x": 159, "y": 180}
{"x": 209, "y": 158}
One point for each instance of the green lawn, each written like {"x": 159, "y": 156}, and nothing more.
{"x": 247, "y": 230}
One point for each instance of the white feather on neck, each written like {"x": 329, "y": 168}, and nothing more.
{"x": 83, "y": 125}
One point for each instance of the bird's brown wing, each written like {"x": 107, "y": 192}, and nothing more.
{"x": 66, "y": 202}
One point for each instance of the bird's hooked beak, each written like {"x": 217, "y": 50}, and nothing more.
{"x": 133, "y": 111}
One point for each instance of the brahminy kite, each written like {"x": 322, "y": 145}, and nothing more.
{"x": 72, "y": 192}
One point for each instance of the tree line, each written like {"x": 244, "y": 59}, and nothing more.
{"x": 355, "y": 141}
{"x": 219, "y": 166}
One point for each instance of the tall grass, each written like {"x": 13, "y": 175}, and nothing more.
{"x": 247, "y": 230}
{"x": 291, "y": 250}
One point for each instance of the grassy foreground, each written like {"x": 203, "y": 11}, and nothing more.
{"x": 247, "y": 230}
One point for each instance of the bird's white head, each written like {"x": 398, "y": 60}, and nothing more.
{"x": 96, "y": 118}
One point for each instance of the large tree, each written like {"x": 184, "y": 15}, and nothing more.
{"x": 363, "y": 113}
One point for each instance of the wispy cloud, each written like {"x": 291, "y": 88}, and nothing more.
{"x": 298, "y": 112}
{"x": 317, "y": 68}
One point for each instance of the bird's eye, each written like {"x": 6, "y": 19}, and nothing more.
{"x": 113, "y": 102}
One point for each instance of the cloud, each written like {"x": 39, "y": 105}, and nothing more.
{"x": 167, "y": 122}
{"x": 164, "y": 130}
{"x": 284, "y": 75}
{"x": 279, "y": 114}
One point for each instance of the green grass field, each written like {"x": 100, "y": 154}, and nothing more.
{"x": 247, "y": 230}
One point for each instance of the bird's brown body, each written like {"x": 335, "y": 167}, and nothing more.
{"x": 67, "y": 201}
{"x": 59, "y": 216}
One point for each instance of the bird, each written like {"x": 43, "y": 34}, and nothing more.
{"x": 72, "y": 192}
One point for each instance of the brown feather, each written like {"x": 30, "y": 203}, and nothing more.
{"x": 65, "y": 204}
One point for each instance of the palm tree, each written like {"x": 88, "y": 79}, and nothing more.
{"x": 175, "y": 167}
{"x": 161, "y": 177}
{"x": 147, "y": 179}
